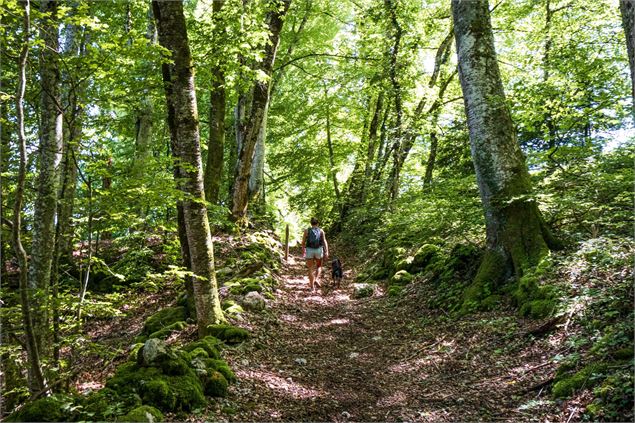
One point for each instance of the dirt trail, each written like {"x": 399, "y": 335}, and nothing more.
{"x": 333, "y": 358}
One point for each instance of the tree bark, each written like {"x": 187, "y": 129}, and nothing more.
{"x": 517, "y": 237}
{"x": 37, "y": 382}
{"x": 259, "y": 104}
{"x": 75, "y": 45}
{"x": 50, "y": 155}
{"x": 329, "y": 141}
{"x": 216, "y": 145}
{"x": 627, "y": 8}
{"x": 183, "y": 123}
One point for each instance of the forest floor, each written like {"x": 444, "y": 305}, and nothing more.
{"x": 329, "y": 357}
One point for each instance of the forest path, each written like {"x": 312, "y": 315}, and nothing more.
{"x": 330, "y": 357}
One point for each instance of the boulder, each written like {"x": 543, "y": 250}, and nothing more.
{"x": 363, "y": 290}
{"x": 254, "y": 301}
{"x": 153, "y": 350}
{"x": 402, "y": 277}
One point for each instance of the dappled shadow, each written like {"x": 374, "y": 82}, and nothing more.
{"x": 333, "y": 358}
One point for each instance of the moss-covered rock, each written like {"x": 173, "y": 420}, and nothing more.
{"x": 164, "y": 318}
{"x": 210, "y": 344}
{"x": 169, "y": 330}
{"x": 394, "y": 290}
{"x": 219, "y": 366}
{"x": 589, "y": 376}
{"x": 171, "y": 393}
{"x": 405, "y": 264}
{"x": 49, "y": 409}
{"x": 228, "y": 333}
{"x": 402, "y": 277}
{"x": 134, "y": 351}
{"x": 425, "y": 255}
{"x": 363, "y": 290}
{"x": 144, "y": 413}
{"x": 215, "y": 384}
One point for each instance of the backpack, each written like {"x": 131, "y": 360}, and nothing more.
{"x": 314, "y": 238}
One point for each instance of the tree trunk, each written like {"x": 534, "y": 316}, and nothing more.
{"x": 75, "y": 45}
{"x": 627, "y": 7}
{"x": 37, "y": 383}
{"x": 183, "y": 123}
{"x": 50, "y": 155}
{"x": 216, "y": 144}
{"x": 329, "y": 141}
{"x": 253, "y": 125}
{"x": 257, "y": 176}
{"x": 432, "y": 156}
{"x": 517, "y": 237}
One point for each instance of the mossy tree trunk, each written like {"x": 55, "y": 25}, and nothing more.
{"x": 256, "y": 114}
{"x": 627, "y": 8}
{"x": 517, "y": 237}
{"x": 180, "y": 92}
{"x": 50, "y": 157}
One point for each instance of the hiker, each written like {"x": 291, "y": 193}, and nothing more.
{"x": 314, "y": 248}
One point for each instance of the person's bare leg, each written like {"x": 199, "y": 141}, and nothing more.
{"x": 318, "y": 272}
{"x": 309, "y": 265}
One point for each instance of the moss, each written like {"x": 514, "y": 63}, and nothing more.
{"x": 175, "y": 364}
{"x": 222, "y": 367}
{"x": 252, "y": 287}
{"x": 538, "y": 309}
{"x": 105, "y": 404}
{"x": 209, "y": 344}
{"x": 182, "y": 392}
{"x": 490, "y": 303}
{"x": 402, "y": 277}
{"x": 164, "y": 318}
{"x": 169, "y": 330}
{"x": 49, "y": 409}
{"x": 425, "y": 254}
{"x": 623, "y": 353}
{"x": 134, "y": 351}
{"x": 490, "y": 272}
{"x": 228, "y": 333}
{"x": 215, "y": 384}
{"x": 586, "y": 377}
{"x": 199, "y": 352}
{"x": 405, "y": 264}
{"x": 526, "y": 289}
{"x": 395, "y": 290}
{"x": 144, "y": 413}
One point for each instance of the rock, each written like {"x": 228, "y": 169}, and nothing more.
{"x": 152, "y": 350}
{"x": 254, "y": 301}
{"x": 363, "y": 290}
{"x": 223, "y": 291}
{"x": 402, "y": 277}
{"x": 300, "y": 361}
{"x": 224, "y": 271}
{"x": 144, "y": 413}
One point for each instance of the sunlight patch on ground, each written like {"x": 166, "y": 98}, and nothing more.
{"x": 338, "y": 322}
{"x": 397, "y": 398}
{"x": 87, "y": 387}
{"x": 408, "y": 366}
{"x": 280, "y": 384}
